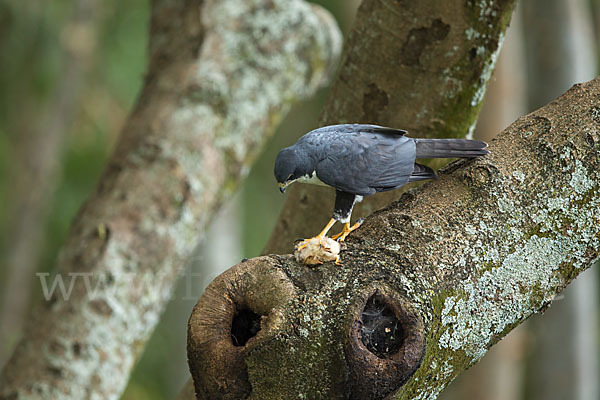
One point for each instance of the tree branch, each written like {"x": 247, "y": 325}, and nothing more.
{"x": 221, "y": 75}
{"x": 445, "y": 272}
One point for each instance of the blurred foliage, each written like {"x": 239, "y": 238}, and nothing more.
{"x": 111, "y": 88}
{"x": 32, "y": 40}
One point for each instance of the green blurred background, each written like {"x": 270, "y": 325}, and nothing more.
{"x": 70, "y": 72}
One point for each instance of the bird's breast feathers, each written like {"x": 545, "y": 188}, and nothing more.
{"x": 312, "y": 179}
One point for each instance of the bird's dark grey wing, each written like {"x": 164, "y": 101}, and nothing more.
{"x": 357, "y": 128}
{"x": 366, "y": 162}
{"x": 376, "y": 129}
{"x": 388, "y": 131}
{"x": 422, "y": 172}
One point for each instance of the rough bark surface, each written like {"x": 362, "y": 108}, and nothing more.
{"x": 221, "y": 75}
{"x": 560, "y": 362}
{"x": 460, "y": 261}
{"x": 420, "y": 66}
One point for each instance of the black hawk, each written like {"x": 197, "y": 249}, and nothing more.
{"x": 362, "y": 159}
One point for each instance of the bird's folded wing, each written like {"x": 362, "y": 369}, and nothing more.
{"x": 388, "y": 131}
{"x": 367, "y": 162}
{"x": 422, "y": 172}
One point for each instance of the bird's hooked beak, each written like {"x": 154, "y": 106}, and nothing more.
{"x": 283, "y": 186}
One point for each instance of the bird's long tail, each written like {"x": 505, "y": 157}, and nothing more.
{"x": 450, "y": 148}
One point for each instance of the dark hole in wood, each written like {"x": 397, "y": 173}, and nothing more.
{"x": 245, "y": 325}
{"x": 381, "y": 331}
{"x": 472, "y": 53}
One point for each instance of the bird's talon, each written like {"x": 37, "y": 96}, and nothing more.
{"x": 340, "y": 237}
{"x": 302, "y": 245}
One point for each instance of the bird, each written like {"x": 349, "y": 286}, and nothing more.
{"x": 360, "y": 160}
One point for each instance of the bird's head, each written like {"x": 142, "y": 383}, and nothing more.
{"x": 290, "y": 165}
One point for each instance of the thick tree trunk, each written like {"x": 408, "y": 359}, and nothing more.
{"x": 221, "y": 75}
{"x": 436, "y": 279}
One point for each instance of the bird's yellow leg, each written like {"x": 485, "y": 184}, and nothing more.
{"x": 340, "y": 237}
{"x": 320, "y": 236}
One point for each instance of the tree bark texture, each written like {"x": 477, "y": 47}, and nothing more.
{"x": 221, "y": 75}
{"x": 500, "y": 375}
{"x": 560, "y": 362}
{"x": 420, "y": 66}
{"x": 456, "y": 264}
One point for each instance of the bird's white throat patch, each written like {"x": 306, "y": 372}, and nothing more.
{"x": 312, "y": 179}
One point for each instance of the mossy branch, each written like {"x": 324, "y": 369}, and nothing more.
{"x": 222, "y": 73}
{"x": 450, "y": 269}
